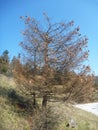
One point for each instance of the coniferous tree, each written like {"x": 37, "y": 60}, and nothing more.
{"x": 4, "y": 62}
{"x": 56, "y": 54}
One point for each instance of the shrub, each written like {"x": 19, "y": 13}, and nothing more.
{"x": 44, "y": 120}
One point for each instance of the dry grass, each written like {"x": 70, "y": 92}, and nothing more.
{"x": 10, "y": 120}
{"x": 84, "y": 120}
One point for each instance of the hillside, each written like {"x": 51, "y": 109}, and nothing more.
{"x": 9, "y": 119}
{"x": 15, "y": 117}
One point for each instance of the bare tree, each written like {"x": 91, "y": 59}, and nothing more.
{"x": 55, "y": 55}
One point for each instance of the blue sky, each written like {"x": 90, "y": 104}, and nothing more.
{"x": 83, "y": 12}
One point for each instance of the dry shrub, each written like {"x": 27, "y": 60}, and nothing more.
{"x": 44, "y": 120}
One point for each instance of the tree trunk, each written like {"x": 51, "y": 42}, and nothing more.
{"x": 44, "y": 102}
{"x": 35, "y": 105}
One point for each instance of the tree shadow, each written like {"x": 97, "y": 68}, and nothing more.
{"x": 22, "y": 104}
{"x": 19, "y": 104}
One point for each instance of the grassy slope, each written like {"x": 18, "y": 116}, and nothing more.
{"x": 11, "y": 120}
{"x": 83, "y": 119}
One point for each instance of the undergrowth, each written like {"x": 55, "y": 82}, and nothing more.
{"x": 16, "y": 112}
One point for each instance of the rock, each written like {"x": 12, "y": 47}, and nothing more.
{"x": 71, "y": 124}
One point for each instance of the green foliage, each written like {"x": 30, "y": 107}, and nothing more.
{"x": 4, "y": 68}
{"x": 4, "y": 62}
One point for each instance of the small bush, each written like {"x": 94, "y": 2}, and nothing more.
{"x": 44, "y": 120}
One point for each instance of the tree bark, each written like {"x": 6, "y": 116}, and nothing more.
{"x": 35, "y": 105}
{"x": 44, "y": 102}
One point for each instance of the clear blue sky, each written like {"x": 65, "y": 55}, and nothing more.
{"x": 83, "y": 12}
